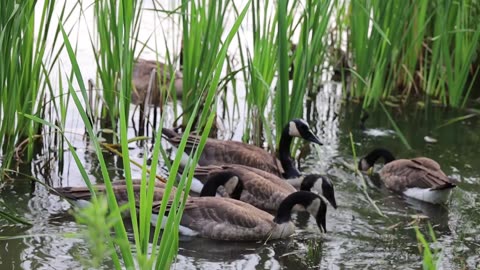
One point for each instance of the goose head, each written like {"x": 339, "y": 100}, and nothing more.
{"x": 369, "y": 160}
{"x": 300, "y": 128}
{"x": 230, "y": 181}
{"x": 319, "y": 185}
{"x": 313, "y": 204}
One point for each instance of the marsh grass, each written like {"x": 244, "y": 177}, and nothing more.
{"x": 430, "y": 258}
{"x": 164, "y": 248}
{"x": 24, "y": 70}
{"x": 414, "y": 46}
{"x": 117, "y": 28}
{"x": 203, "y": 26}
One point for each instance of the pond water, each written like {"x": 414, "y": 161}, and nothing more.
{"x": 358, "y": 237}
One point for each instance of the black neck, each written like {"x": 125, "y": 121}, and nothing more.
{"x": 219, "y": 179}
{"x": 284, "y": 213}
{"x": 378, "y": 153}
{"x": 288, "y": 165}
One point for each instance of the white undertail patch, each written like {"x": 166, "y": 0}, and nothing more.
{"x": 196, "y": 186}
{"x": 182, "y": 229}
{"x": 428, "y": 195}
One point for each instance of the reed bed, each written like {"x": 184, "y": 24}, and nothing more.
{"x": 28, "y": 59}
{"x": 407, "y": 48}
{"x": 400, "y": 47}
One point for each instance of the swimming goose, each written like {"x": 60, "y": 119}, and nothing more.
{"x": 420, "y": 178}
{"x": 219, "y": 152}
{"x": 228, "y": 219}
{"x": 261, "y": 189}
{"x": 142, "y": 71}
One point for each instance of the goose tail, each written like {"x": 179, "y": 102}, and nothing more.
{"x": 444, "y": 186}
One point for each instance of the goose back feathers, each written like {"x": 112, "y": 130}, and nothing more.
{"x": 219, "y": 152}
{"x": 420, "y": 178}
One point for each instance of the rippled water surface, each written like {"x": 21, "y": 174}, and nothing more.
{"x": 357, "y": 235}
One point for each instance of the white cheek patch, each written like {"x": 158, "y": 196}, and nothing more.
{"x": 313, "y": 207}
{"x": 231, "y": 184}
{"x": 293, "y": 130}
{"x": 364, "y": 164}
{"x": 317, "y": 187}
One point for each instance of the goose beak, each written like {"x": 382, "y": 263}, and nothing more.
{"x": 332, "y": 201}
{"x": 312, "y": 138}
{"x": 322, "y": 224}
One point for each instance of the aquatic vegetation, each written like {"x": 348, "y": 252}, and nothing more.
{"x": 117, "y": 29}
{"x": 430, "y": 259}
{"x": 28, "y": 58}
{"x": 421, "y": 46}
{"x": 393, "y": 50}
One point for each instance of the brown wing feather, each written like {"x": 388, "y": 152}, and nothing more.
{"x": 223, "y": 218}
{"x": 401, "y": 174}
{"x": 219, "y": 152}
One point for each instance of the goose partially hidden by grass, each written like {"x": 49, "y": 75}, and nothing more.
{"x": 141, "y": 77}
{"x": 420, "y": 178}
{"x": 224, "y": 218}
{"x": 259, "y": 188}
{"x": 220, "y": 152}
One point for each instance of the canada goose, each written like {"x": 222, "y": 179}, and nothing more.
{"x": 420, "y": 178}
{"x": 224, "y": 218}
{"x": 142, "y": 71}
{"x": 262, "y": 189}
{"x": 228, "y": 219}
{"x": 219, "y": 152}
{"x": 81, "y": 195}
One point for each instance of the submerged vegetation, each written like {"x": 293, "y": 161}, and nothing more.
{"x": 384, "y": 51}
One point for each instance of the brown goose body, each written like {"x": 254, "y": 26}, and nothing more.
{"x": 422, "y": 172}
{"x": 220, "y": 152}
{"x": 266, "y": 190}
{"x": 263, "y": 192}
{"x": 228, "y": 219}
{"x": 421, "y": 178}
{"x": 142, "y": 71}
{"x": 223, "y": 218}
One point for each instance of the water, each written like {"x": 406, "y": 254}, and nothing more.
{"x": 358, "y": 237}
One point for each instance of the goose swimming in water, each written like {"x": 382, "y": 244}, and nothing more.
{"x": 220, "y": 152}
{"x": 224, "y": 218}
{"x": 420, "y": 178}
{"x": 259, "y": 188}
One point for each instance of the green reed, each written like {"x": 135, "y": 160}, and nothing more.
{"x": 203, "y": 26}
{"x": 163, "y": 250}
{"x": 27, "y": 60}
{"x": 414, "y": 46}
{"x": 430, "y": 259}
{"x": 117, "y": 26}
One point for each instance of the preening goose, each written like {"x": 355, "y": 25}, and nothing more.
{"x": 259, "y": 188}
{"x": 219, "y": 152}
{"x": 228, "y": 219}
{"x": 420, "y": 178}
